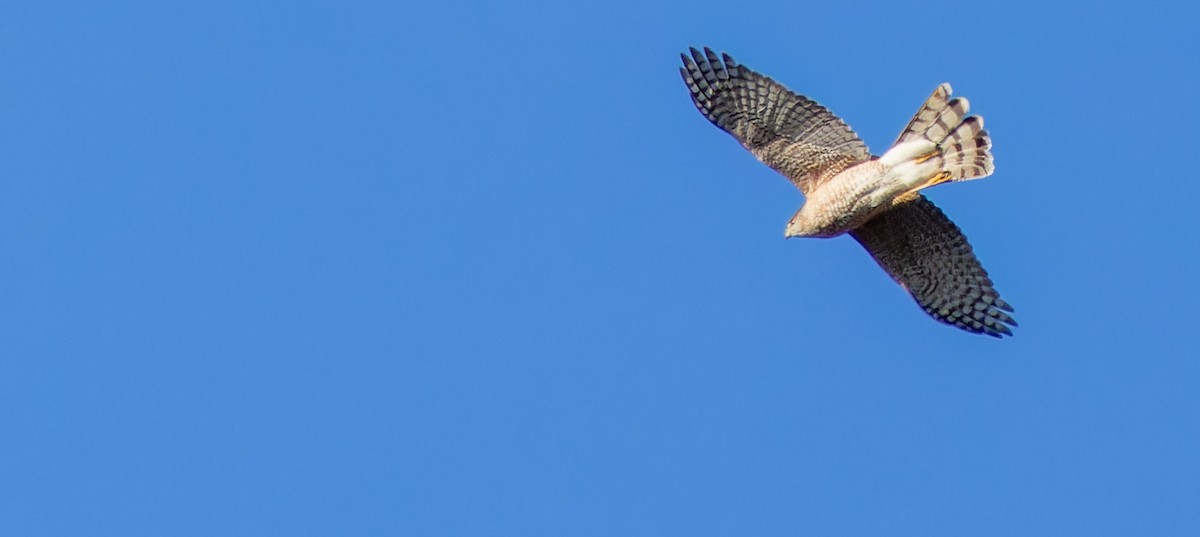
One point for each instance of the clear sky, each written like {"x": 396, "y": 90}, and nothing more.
{"x": 455, "y": 268}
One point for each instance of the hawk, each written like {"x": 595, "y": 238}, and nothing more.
{"x": 876, "y": 199}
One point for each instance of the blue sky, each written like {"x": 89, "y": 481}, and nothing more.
{"x": 352, "y": 268}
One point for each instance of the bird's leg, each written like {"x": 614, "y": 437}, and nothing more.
{"x": 937, "y": 179}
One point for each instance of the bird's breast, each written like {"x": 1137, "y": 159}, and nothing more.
{"x": 844, "y": 202}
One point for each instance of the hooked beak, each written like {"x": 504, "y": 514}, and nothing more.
{"x": 790, "y": 231}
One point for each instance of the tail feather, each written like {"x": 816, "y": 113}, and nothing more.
{"x": 966, "y": 152}
{"x": 941, "y": 143}
{"x": 927, "y": 115}
{"x": 950, "y": 117}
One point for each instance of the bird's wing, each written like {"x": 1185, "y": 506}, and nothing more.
{"x": 788, "y": 132}
{"x": 930, "y": 257}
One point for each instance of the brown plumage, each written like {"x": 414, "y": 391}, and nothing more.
{"x": 876, "y": 200}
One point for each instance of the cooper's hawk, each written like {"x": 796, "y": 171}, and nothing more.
{"x": 875, "y": 199}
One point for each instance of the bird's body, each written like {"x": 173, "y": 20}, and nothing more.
{"x": 876, "y": 200}
{"x": 847, "y": 201}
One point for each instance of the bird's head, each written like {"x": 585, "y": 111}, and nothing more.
{"x": 797, "y": 227}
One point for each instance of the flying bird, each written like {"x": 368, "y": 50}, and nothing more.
{"x": 876, "y": 199}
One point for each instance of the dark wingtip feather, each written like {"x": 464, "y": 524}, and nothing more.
{"x": 711, "y": 55}
{"x": 998, "y": 329}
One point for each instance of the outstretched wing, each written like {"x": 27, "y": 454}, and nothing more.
{"x": 930, "y": 257}
{"x": 788, "y": 132}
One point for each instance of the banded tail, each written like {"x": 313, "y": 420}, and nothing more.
{"x": 940, "y": 144}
